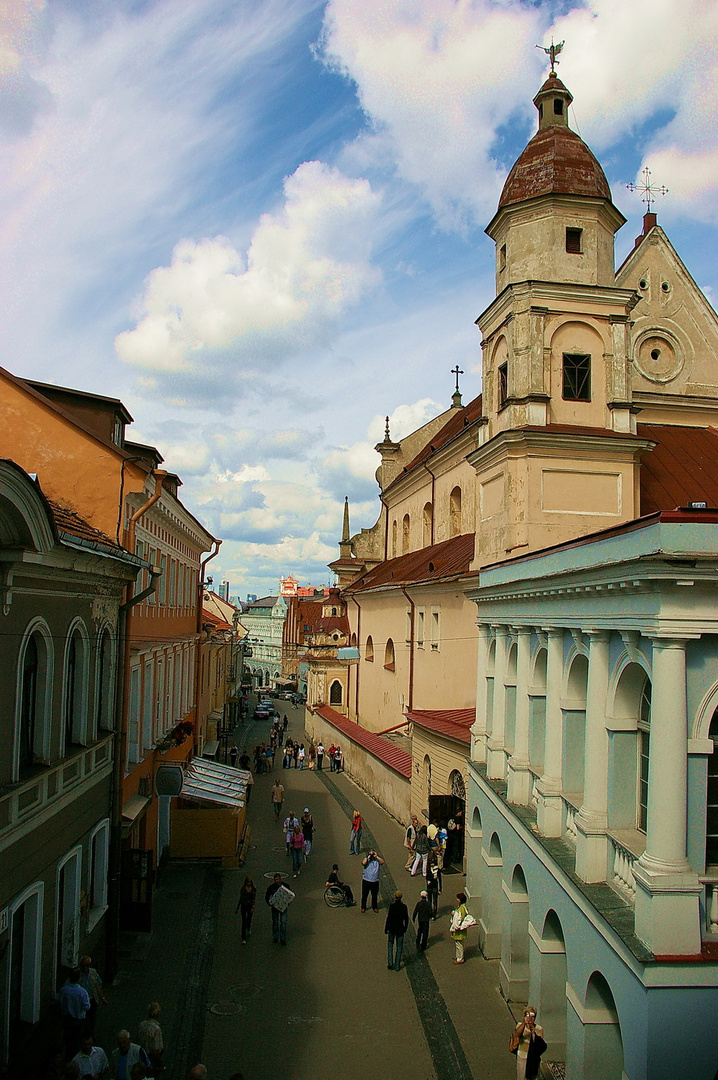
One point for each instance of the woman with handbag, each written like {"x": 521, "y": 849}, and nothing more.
{"x": 458, "y": 917}
{"x": 528, "y": 1044}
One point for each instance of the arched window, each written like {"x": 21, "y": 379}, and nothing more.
{"x": 34, "y": 700}
{"x": 335, "y": 693}
{"x": 455, "y": 511}
{"x": 75, "y": 700}
{"x": 394, "y": 540}
{"x": 712, "y": 800}
{"x": 369, "y": 650}
{"x": 405, "y": 527}
{"x": 28, "y": 708}
{"x": 427, "y": 523}
{"x": 389, "y": 655}
{"x": 105, "y": 667}
{"x": 427, "y": 781}
{"x": 644, "y": 737}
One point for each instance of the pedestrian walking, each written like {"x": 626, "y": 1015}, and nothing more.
{"x": 126, "y": 1055}
{"x": 245, "y": 906}
{"x": 338, "y": 760}
{"x": 397, "y": 921}
{"x": 277, "y": 797}
{"x": 307, "y": 827}
{"x": 331, "y": 751}
{"x": 302, "y": 754}
{"x": 289, "y": 822}
{"x": 285, "y": 722}
{"x": 370, "y": 880}
{"x": 288, "y": 753}
{"x": 320, "y": 756}
{"x": 409, "y": 838}
{"x": 422, "y": 917}
{"x": 297, "y": 849}
{"x": 244, "y": 761}
{"x": 91, "y": 982}
{"x": 91, "y": 1060}
{"x": 295, "y": 753}
{"x": 250, "y": 784}
{"x": 74, "y": 1007}
{"x": 421, "y": 852}
{"x": 269, "y": 757}
{"x": 149, "y": 1037}
{"x": 433, "y": 883}
{"x": 458, "y": 935}
{"x": 280, "y": 908}
{"x": 233, "y": 754}
{"x": 355, "y": 834}
{"x": 312, "y": 756}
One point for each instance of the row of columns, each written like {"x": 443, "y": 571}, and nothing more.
{"x": 667, "y": 888}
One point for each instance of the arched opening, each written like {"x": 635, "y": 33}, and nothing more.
{"x": 601, "y": 1056}
{"x": 389, "y": 656}
{"x": 490, "y": 669}
{"x": 75, "y": 688}
{"x": 549, "y": 962}
{"x": 510, "y": 699}
{"x": 25, "y": 953}
{"x": 353, "y": 640}
{"x": 427, "y": 783}
{"x": 427, "y": 520}
{"x": 712, "y": 804}
{"x": 514, "y": 969}
{"x": 335, "y": 693}
{"x": 394, "y": 538}
{"x": 455, "y": 511}
{"x": 628, "y": 749}
{"x": 490, "y": 922}
{"x": 574, "y": 727}
{"x": 67, "y": 908}
{"x": 405, "y": 530}
{"x": 33, "y": 701}
{"x": 369, "y": 650}
{"x": 537, "y": 712}
{"x": 476, "y": 821}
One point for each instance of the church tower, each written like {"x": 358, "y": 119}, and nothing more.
{"x": 558, "y": 454}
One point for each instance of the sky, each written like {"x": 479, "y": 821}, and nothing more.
{"x": 260, "y": 223}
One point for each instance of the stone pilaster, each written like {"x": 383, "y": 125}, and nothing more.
{"x": 549, "y": 786}
{"x": 592, "y": 818}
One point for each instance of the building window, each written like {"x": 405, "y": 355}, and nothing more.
{"x": 558, "y": 106}
{"x": 405, "y": 527}
{"x": 455, "y": 511}
{"x": 75, "y": 689}
{"x": 25, "y": 959}
{"x": 67, "y": 914}
{"x": 503, "y": 384}
{"x": 712, "y": 798}
{"x": 28, "y": 707}
{"x": 427, "y": 523}
{"x": 369, "y": 651}
{"x": 335, "y": 693}
{"x": 420, "y": 624}
{"x": 104, "y": 720}
{"x": 394, "y": 530}
{"x": 99, "y": 865}
{"x": 435, "y": 629}
{"x": 576, "y": 377}
{"x": 389, "y": 656}
{"x": 502, "y": 257}
{"x": 573, "y": 241}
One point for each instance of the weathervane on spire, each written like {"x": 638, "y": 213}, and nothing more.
{"x": 647, "y": 190}
{"x": 552, "y": 52}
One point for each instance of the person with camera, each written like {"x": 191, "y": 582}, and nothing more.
{"x": 370, "y": 879}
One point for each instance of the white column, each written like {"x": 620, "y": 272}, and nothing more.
{"x": 592, "y": 818}
{"x": 667, "y": 889}
{"x": 550, "y": 806}
{"x": 519, "y": 778}
{"x": 495, "y": 753}
{"x": 478, "y": 728}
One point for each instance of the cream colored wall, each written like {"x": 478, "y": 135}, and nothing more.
{"x": 387, "y": 787}
{"x": 444, "y": 678}
{"x": 446, "y": 757}
{"x": 412, "y": 496}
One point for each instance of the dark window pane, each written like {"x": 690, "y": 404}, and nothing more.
{"x": 576, "y": 377}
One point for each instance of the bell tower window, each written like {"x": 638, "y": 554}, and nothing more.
{"x": 558, "y": 106}
{"x": 576, "y": 377}
{"x": 503, "y": 384}
{"x": 573, "y": 241}
{"x": 502, "y": 257}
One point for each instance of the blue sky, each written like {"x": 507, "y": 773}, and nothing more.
{"x": 261, "y": 223}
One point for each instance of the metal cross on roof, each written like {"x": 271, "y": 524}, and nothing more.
{"x": 457, "y": 371}
{"x": 552, "y": 52}
{"x": 647, "y": 190}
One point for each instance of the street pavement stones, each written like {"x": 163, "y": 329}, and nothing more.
{"x": 325, "y": 1004}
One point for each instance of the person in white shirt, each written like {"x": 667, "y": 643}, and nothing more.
{"x": 91, "y": 1060}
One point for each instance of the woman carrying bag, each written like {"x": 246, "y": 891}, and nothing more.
{"x": 461, "y": 920}
{"x": 528, "y": 1044}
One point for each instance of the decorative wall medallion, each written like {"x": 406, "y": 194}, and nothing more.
{"x": 659, "y": 356}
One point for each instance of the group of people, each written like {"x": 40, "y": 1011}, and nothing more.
{"x": 299, "y": 838}
{"x": 79, "y": 999}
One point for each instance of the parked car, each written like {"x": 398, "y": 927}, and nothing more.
{"x": 261, "y": 713}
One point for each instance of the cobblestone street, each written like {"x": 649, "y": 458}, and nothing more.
{"x": 326, "y": 1003}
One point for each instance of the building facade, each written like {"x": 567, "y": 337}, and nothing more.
{"x": 264, "y": 622}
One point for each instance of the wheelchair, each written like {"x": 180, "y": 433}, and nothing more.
{"x": 334, "y": 896}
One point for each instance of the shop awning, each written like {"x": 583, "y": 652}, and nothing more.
{"x": 210, "y": 749}
{"x": 132, "y": 811}
{"x": 215, "y": 783}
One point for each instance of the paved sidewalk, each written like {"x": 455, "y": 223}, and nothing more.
{"x": 325, "y": 1004}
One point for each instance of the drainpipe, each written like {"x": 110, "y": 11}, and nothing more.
{"x": 356, "y": 692}
{"x": 433, "y": 478}
{"x": 411, "y": 648}
{"x": 198, "y": 658}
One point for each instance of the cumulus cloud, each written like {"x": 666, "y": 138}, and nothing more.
{"x": 307, "y": 263}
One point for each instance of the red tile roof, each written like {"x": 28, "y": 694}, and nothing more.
{"x": 449, "y": 559}
{"x": 460, "y": 419}
{"x": 555, "y": 162}
{"x": 682, "y": 468}
{"x": 382, "y": 749}
{"x": 68, "y": 521}
{"x": 453, "y": 723}
{"x": 219, "y": 623}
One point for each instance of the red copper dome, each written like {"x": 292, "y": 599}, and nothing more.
{"x": 556, "y": 161}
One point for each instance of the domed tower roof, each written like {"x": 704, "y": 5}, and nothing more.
{"x": 556, "y": 161}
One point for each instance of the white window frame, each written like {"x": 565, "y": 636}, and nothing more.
{"x": 98, "y": 870}
{"x": 32, "y": 957}
{"x": 435, "y": 629}
{"x": 76, "y": 854}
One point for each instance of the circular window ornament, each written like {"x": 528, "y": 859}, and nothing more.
{"x": 659, "y": 356}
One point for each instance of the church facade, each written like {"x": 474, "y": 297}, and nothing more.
{"x": 571, "y": 511}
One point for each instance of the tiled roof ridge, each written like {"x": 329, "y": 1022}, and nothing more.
{"x": 453, "y": 723}
{"x": 382, "y": 749}
{"x": 456, "y": 423}
{"x": 447, "y": 559}
{"x": 69, "y": 521}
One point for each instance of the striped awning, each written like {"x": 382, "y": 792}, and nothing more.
{"x": 212, "y": 782}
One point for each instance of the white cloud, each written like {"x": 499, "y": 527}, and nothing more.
{"x": 437, "y": 77}
{"x": 306, "y": 265}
